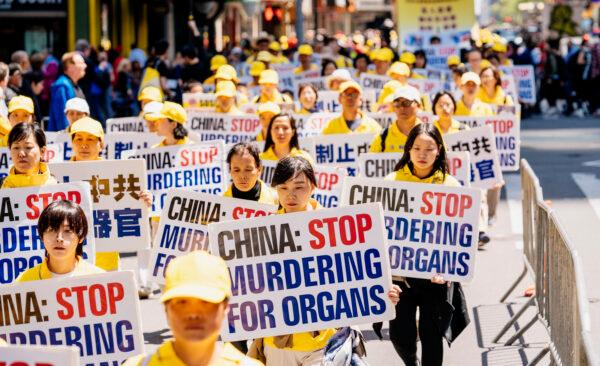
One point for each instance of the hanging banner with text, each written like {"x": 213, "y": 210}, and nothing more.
{"x": 304, "y": 271}
{"x": 431, "y": 228}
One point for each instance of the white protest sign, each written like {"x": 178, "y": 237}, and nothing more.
{"x": 384, "y": 119}
{"x": 309, "y": 74}
{"x": 208, "y": 88}
{"x": 330, "y": 181}
{"x": 304, "y": 271}
{"x": 426, "y": 86}
{"x": 341, "y": 150}
{"x": 319, "y": 82}
{"x": 184, "y": 220}
{"x": 120, "y": 217}
{"x": 509, "y": 87}
{"x": 525, "y": 81}
{"x": 486, "y": 171}
{"x": 329, "y": 101}
{"x": 308, "y": 125}
{"x": 199, "y": 167}
{"x": 126, "y": 124}
{"x": 377, "y": 165}
{"x": 199, "y": 101}
{"x": 431, "y": 228}
{"x": 459, "y": 164}
{"x": 117, "y": 143}
{"x": 100, "y": 314}
{"x": 219, "y": 126}
{"x": 507, "y": 130}
{"x": 373, "y": 81}
{"x": 437, "y": 56}
{"x": 369, "y": 98}
{"x": 21, "y": 247}
{"x": 39, "y": 356}
{"x": 286, "y": 76}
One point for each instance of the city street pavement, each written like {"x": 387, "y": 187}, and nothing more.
{"x": 557, "y": 151}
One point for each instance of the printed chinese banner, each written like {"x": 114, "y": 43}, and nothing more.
{"x": 486, "y": 171}
{"x": 117, "y": 143}
{"x": 39, "y": 356}
{"x": 342, "y": 150}
{"x": 507, "y": 130}
{"x": 184, "y": 220}
{"x": 126, "y": 124}
{"x": 329, "y": 101}
{"x": 100, "y": 314}
{"x": 431, "y": 228}
{"x": 120, "y": 217}
{"x": 21, "y": 247}
{"x": 198, "y": 167}
{"x": 219, "y": 126}
{"x": 304, "y": 271}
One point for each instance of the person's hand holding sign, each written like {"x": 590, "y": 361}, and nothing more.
{"x": 394, "y": 294}
{"x": 146, "y": 197}
{"x": 438, "y": 279}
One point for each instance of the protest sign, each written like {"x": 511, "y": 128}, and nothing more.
{"x": 431, "y": 228}
{"x": 524, "y": 80}
{"x": 507, "y": 131}
{"x": 329, "y": 101}
{"x": 308, "y": 125}
{"x": 319, "y": 82}
{"x": 384, "y": 119}
{"x": 341, "y": 150}
{"x": 100, "y": 314}
{"x": 120, "y": 217}
{"x": 459, "y": 164}
{"x": 117, "y": 143}
{"x": 509, "y": 87}
{"x": 39, "y": 356}
{"x": 184, "y": 221}
{"x": 304, "y": 271}
{"x": 126, "y": 124}
{"x": 426, "y": 86}
{"x": 199, "y": 101}
{"x": 198, "y": 167}
{"x": 21, "y": 247}
{"x": 479, "y": 142}
{"x": 377, "y": 165}
{"x": 437, "y": 55}
{"x": 286, "y": 76}
{"x": 330, "y": 181}
{"x": 219, "y": 126}
{"x": 373, "y": 81}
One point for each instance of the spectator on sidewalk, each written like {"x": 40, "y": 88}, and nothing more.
{"x": 65, "y": 88}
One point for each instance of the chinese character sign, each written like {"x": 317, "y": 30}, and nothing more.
{"x": 341, "y": 150}
{"x": 117, "y": 143}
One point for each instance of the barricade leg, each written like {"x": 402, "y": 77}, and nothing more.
{"x": 514, "y": 285}
{"x": 540, "y": 356}
{"x": 516, "y": 336}
{"x": 514, "y": 319}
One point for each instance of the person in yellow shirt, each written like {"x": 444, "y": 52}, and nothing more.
{"x": 469, "y": 104}
{"x": 384, "y": 101}
{"x": 308, "y": 96}
{"x": 500, "y": 48}
{"x": 27, "y": 144}
{"x": 452, "y": 62}
{"x": 265, "y": 57}
{"x": 382, "y": 58}
{"x": 444, "y": 106}
{"x": 424, "y": 161}
{"x": 490, "y": 91}
{"x": 336, "y": 79}
{"x": 275, "y": 50}
{"x": 352, "y": 119}
{"x": 149, "y": 94}
{"x": 266, "y": 111}
{"x": 400, "y": 72}
{"x": 268, "y": 89}
{"x": 62, "y": 226}
{"x": 215, "y": 62}
{"x": 20, "y": 109}
{"x": 410, "y": 59}
{"x": 5, "y": 128}
{"x": 305, "y": 53}
{"x": 169, "y": 124}
{"x": 196, "y": 300}
{"x": 225, "y": 94}
{"x": 255, "y": 69}
{"x": 282, "y": 139}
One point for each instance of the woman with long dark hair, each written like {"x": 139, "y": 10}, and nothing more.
{"x": 282, "y": 139}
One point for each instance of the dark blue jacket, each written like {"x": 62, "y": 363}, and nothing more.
{"x": 61, "y": 91}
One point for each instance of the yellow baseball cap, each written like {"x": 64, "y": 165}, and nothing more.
{"x": 225, "y": 88}
{"x": 349, "y": 85}
{"x": 470, "y": 76}
{"x": 408, "y": 58}
{"x": 151, "y": 93}
{"x": 268, "y": 77}
{"x": 226, "y": 72}
{"x": 89, "y": 125}
{"x": 499, "y": 47}
{"x": 382, "y": 54}
{"x": 453, "y": 60}
{"x": 170, "y": 110}
{"x": 388, "y": 90}
{"x": 256, "y": 68}
{"x": 268, "y": 107}
{"x": 274, "y": 46}
{"x": 264, "y": 56}
{"x": 305, "y": 49}
{"x": 199, "y": 275}
{"x": 399, "y": 68}
{"x": 216, "y": 61}
{"x": 21, "y": 102}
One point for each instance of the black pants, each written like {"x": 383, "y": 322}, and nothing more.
{"x": 403, "y": 329}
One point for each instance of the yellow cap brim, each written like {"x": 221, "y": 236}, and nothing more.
{"x": 28, "y": 110}
{"x": 209, "y": 294}
{"x": 153, "y": 117}
{"x": 224, "y": 94}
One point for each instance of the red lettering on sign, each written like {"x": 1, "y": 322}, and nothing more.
{"x": 97, "y": 299}
{"x": 446, "y": 204}
{"x": 347, "y": 229}
{"x": 38, "y": 202}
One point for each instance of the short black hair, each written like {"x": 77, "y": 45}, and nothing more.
{"x": 23, "y": 130}
{"x": 60, "y": 211}
{"x": 180, "y": 132}
{"x": 441, "y": 94}
{"x": 291, "y": 166}
{"x": 240, "y": 149}
{"x": 269, "y": 139}
{"x": 161, "y": 47}
{"x": 188, "y": 51}
{"x": 359, "y": 56}
{"x": 440, "y": 163}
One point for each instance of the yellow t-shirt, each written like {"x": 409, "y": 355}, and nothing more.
{"x": 267, "y": 194}
{"x": 276, "y": 98}
{"x": 499, "y": 97}
{"x": 339, "y": 125}
{"x": 233, "y": 111}
{"x": 270, "y": 154}
{"x": 183, "y": 141}
{"x": 478, "y": 109}
{"x": 394, "y": 141}
{"x": 455, "y": 126}
{"x": 165, "y": 356}
{"x": 299, "y": 70}
{"x": 405, "y": 175}
{"x": 42, "y": 272}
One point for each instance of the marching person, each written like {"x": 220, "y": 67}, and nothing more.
{"x": 352, "y": 119}
{"x": 265, "y": 112}
{"x": 490, "y": 91}
{"x": 169, "y": 124}
{"x": 75, "y": 109}
{"x": 225, "y": 103}
{"x": 62, "y": 226}
{"x": 444, "y": 106}
{"x": 268, "y": 89}
{"x": 196, "y": 300}
{"x": 469, "y": 104}
{"x": 424, "y": 161}
{"x": 305, "y": 55}
{"x": 21, "y": 109}
{"x": 308, "y": 96}
{"x": 150, "y": 94}
{"x": 282, "y": 139}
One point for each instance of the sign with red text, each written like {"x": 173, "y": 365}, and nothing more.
{"x": 100, "y": 314}
{"x": 184, "y": 221}
{"x": 197, "y": 167}
{"x": 430, "y": 228}
{"x": 219, "y": 126}
{"x": 459, "y": 165}
{"x": 525, "y": 81}
{"x": 120, "y": 216}
{"x": 330, "y": 181}
{"x": 309, "y": 125}
{"x": 304, "y": 271}
{"x": 39, "y": 356}
{"x": 21, "y": 247}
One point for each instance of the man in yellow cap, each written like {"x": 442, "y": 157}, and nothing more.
{"x": 352, "y": 119}
{"x": 278, "y": 57}
{"x": 382, "y": 58}
{"x": 265, "y": 112}
{"x": 255, "y": 69}
{"x": 196, "y": 299}
{"x": 305, "y": 53}
{"x": 500, "y": 48}
{"x": 452, "y": 62}
{"x": 409, "y": 59}
{"x": 226, "y": 93}
{"x": 268, "y": 82}
{"x": 406, "y": 101}
{"x": 400, "y": 72}
{"x": 169, "y": 123}
{"x": 20, "y": 109}
{"x": 215, "y": 62}
{"x": 469, "y": 104}
{"x": 265, "y": 57}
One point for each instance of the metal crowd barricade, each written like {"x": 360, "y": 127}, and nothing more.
{"x": 560, "y": 294}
